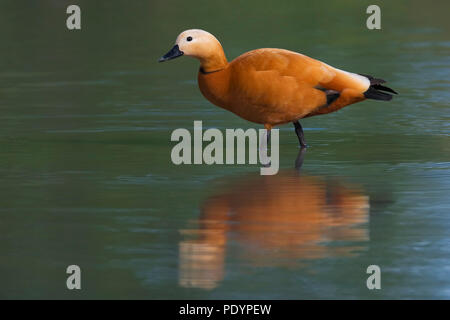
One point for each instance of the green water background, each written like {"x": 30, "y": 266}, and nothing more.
{"x": 85, "y": 170}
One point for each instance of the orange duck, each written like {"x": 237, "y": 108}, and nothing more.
{"x": 273, "y": 86}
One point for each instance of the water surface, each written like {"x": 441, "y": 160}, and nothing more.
{"x": 86, "y": 176}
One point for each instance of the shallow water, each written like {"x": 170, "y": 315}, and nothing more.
{"x": 86, "y": 118}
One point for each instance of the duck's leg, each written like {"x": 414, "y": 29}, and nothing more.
{"x": 268, "y": 128}
{"x": 300, "y": 135}
{"x": 300, "y": 158}
{"x": 264, "y": 147}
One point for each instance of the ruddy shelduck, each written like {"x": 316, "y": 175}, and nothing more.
{"x": 273, "y": 86}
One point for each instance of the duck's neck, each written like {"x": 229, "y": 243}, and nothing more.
{"x": 214, "y": 61}
{"x": 214, "y": 84}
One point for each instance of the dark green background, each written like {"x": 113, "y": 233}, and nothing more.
{"x": 85, "y": 124}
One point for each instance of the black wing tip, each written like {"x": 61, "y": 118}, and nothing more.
{"x": 373, "y": 93}
{"x": 384, "y": 88}
{"x": 332, "y": 96}
{"x": 372, "y": 79}
{"x": 377, "y": 91}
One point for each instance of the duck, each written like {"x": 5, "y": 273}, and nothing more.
{"x": 272, "y": 86}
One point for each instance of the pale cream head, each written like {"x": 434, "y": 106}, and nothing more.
{"x": 201, "y": 45}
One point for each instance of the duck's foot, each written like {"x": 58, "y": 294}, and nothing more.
{"x": 300, "y": 134}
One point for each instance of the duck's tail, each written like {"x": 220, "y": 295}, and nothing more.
{"x": 377, "y": 91}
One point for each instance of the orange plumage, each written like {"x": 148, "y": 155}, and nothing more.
{"x": 273, "y": 86}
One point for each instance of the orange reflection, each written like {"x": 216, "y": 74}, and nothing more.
{"x": 279, "y": 220}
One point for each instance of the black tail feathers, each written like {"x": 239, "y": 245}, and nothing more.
{"x": 375, "y": 94}
{"x": 377, "y": 91}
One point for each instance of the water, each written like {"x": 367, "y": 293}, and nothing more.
{"x": 86, "y": 176}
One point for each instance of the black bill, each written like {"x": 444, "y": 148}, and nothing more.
{"x": 172, "y": 54}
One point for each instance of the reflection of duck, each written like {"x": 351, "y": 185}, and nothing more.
{"x": 277, "y": 220}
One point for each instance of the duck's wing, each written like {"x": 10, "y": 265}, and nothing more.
{"x": 350, "y": 88}
{"x": 279, "y": 81}
{"x": 286, "y": 81}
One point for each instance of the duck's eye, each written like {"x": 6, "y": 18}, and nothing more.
{"x": 189, "y": 39}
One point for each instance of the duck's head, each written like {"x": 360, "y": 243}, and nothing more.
{"x": 201, "y": 45}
